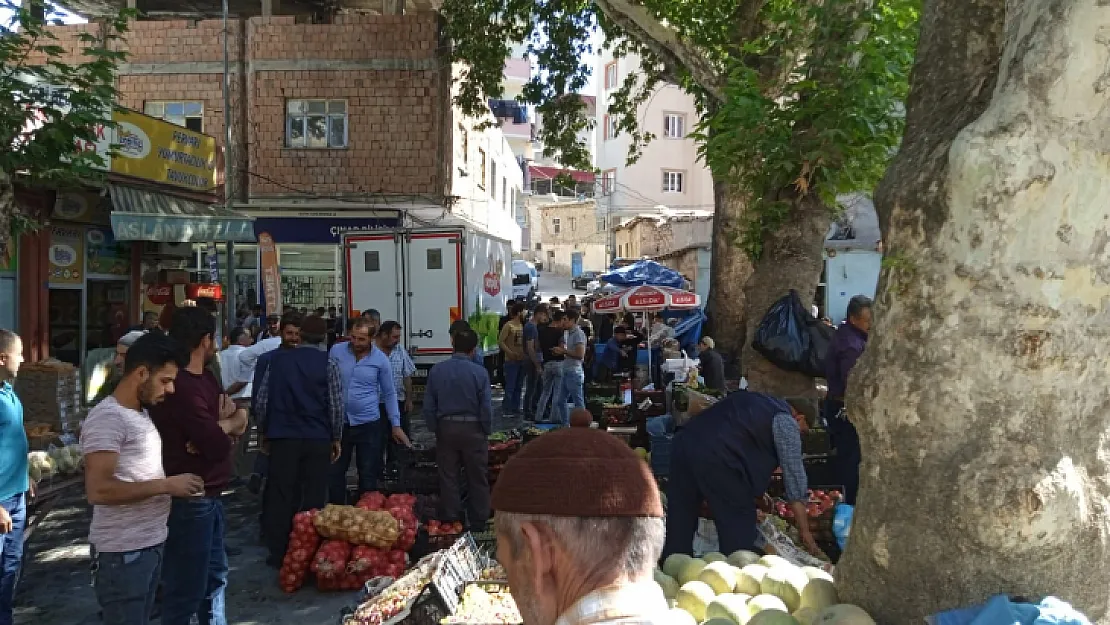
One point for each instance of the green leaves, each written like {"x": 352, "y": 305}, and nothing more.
{"x": 50, "y": 105}
{"x": 812, "y": 90}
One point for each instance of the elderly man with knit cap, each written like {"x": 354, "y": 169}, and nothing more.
{"x": 122, "y": 345}
{"x": 579, "y": 528}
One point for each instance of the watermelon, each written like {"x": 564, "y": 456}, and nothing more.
{"x": 721, "y": 576}
{"x": 694, "y": 597}
{"x": 842, "y": 614}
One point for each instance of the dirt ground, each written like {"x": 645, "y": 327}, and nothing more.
{"x": 55, "y": 585}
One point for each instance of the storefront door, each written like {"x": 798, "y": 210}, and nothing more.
{"x": 66, "y": 324}
{"x": 108, "y": 305}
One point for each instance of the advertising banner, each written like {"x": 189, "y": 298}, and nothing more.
{"x": 271, "y": 273}
{"x": 105, "y": 255}
{"x": 156, "y": 150}
{"x": 67, "y": 254}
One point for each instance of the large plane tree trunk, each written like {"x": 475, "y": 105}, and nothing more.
{"x": 791, "y": 259}
{"x": 982, "y": 400}
{"x": 729, "y": 271}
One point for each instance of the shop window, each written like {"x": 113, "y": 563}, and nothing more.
{"x": 435, "y": 258}
{"x": 316, "y": 124}
{"x": 371, "y": 262}
{"x": 185, "y": 114}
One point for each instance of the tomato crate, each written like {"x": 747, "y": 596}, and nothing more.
{"x": 499, "y": 453}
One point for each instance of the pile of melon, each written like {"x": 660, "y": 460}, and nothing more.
{"x": 745, "y": 589}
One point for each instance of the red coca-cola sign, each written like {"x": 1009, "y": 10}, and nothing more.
{"x": 160, "y": 294}
{"x": 197, "y": 291}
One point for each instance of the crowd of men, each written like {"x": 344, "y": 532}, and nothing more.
{"x": 169, "y": 437}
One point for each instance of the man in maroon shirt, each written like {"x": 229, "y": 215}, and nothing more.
{"x": 198, "y": 424}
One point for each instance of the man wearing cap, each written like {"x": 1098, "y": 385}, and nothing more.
{"x": 457, "y": 408}
{"x": 579, "y": 528}
{"x": 725, "y": 456}
{"x": 125, "y": 342}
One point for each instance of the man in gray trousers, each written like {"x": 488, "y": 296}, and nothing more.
{"x": 457, "y": 408}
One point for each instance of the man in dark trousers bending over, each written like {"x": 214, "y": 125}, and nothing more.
{"x": 457, "y": 409}
{"x": 726, "y": 456}
{"x": 299, "y": 405}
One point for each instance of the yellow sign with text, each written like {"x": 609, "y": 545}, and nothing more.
{"x": 156, "y": 150}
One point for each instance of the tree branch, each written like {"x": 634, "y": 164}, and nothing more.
{"x": 677, "y": 56}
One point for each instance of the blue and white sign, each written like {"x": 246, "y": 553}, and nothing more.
{"x": 321, "y": 229}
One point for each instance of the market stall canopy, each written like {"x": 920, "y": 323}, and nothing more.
{"x": 644, "y": 272}
{"x": 647, "y": 299}
{"x": 142, "y": 215}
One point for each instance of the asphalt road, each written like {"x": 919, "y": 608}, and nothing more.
{"x": 553, "y": 285}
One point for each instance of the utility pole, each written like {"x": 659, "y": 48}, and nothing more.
{"x": 229, "y": 297}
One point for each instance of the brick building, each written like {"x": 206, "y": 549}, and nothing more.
{"x": 340, "y": 119}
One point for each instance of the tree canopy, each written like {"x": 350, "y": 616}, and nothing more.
{"x": 50, "y": 108}
{"x": 799, "y": 100}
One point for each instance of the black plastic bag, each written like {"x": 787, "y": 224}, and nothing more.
{"x": 792, "y": 338}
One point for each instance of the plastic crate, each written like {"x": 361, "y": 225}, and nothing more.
{"x": 459, "y": 565}
{"x": 419, "y": 481}
{"x": 661, "y": 454}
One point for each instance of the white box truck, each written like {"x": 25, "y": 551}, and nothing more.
{"x": 426, "y": 278}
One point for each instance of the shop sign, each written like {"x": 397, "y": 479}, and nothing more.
{"x": 271, "y": 273}
{"x": 80, "y": 207}
{"x": 320, "y": 229}
{"x": 67, "y": 254}
{"x": 156, "y": 150}
{"x": 162, "y": 294}
{"x": 174, "y": 229}
{"x": 105, "y": 255}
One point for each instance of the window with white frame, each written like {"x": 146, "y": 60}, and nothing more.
{"x": 608, "y": 181}
{"x": 556, "y": 225}
{"x": 610, "y": 127}
{"x": 465, "y": 144}
{"x": 504, "y": 193}
{"x": 672, "y": 181}
{"x": 674, "y": 125}
{"x": 600, "y": 225}
{"x": 493, "y": 179}
{"x": 482, "y": 168}
{"x": 189, "y": 114}
{"x": 611, "y": 75}
{"x": 316, "y": 124}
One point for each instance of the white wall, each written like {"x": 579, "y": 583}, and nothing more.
{"x": 639, "y": 188}
{"x": 487, "y": 201}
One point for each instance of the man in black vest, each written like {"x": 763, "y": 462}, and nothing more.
{"x": 299, "y": 406}
{"x": 725, "y": 456}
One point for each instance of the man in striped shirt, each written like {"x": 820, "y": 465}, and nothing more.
{"x": 389, "y": 341}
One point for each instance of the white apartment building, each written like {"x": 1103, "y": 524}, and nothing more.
{"x": 486, "y": 178}
{"x": 668, "y": 173}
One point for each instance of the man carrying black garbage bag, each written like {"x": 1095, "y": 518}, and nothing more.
{"x": 725, "y": 456}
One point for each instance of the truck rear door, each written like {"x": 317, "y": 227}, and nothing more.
{"x": 434, "y": 290}
{"x": 373, "y": 267}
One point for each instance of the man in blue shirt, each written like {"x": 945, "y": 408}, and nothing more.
{"x": 13, "y": 473}
{"x": 458, "y": 409}
{"x": 368, "y": 391}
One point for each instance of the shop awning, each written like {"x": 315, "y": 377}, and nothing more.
{"x": 142, "y": 215}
